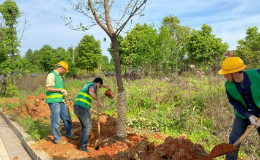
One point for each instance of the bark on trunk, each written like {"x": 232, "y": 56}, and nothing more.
{"x": 121, "y": 99}
{"x": 12, "y": 54}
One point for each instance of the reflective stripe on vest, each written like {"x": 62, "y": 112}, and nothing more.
{"x": 52, "y": 97}
{"x": 83, "y": 98}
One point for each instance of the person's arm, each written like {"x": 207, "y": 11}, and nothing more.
{"x": 50, "y": 81}
{"x": 103, "y": 86}
{"x": 51, "y": 89}
{"x": 239, "y": 106}
{"x": 92, "y": 93}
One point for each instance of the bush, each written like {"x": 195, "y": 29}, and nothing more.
{"x": 12, "y": 90}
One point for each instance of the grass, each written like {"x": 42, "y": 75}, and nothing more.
{"x": 190, "y": 105}
{"x": 37, "y": 129}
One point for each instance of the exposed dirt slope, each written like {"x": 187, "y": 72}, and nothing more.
{"x": 135, "y": 146}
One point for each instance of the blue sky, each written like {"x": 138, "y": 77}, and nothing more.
{"x": 229, "y": 20}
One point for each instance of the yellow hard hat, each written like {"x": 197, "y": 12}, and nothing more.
{"x": 232, "y": 65}
{"x": 64, "y": 65}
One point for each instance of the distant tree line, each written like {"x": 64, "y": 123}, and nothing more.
{"x": 155, "y": 51}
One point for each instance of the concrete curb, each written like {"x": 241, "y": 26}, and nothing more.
{"x": 23, "y": 137}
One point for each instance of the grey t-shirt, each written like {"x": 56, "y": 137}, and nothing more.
{"x": 92, "y": 86}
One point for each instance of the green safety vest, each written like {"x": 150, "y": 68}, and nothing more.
{"x": 52, "y": 97}
{"x": 83, "y": 98}
{"x": 254, "y": 77}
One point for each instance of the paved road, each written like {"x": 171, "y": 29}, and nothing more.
{"x": 3, "y": 151}
{"x": 10, "y": 145}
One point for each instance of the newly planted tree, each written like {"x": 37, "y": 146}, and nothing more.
{"x": 99, "y": 12}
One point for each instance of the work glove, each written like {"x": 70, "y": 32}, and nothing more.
{"x": 64, "y": 92}
{"x": 254, "y": 120}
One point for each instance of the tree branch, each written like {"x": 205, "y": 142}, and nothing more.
{"x": 24, "y": 28}
{"x": 108, "y": 22}
{"x": 130, "y": 16}
{"x": 97, "y": 19}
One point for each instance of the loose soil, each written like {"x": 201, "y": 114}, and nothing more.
{"x": 135, "y": 146}
{"x": 10, "y": 101}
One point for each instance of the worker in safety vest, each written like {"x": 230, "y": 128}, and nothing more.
{"x": 54, "y": 97}
{"x": 243, "y": 92}
{"x": 81, "y": 109}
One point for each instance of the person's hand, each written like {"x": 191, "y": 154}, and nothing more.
{"x": 254, "y": 120}
{"x": 107, "y": 87}
{"x": 64, "y": 92}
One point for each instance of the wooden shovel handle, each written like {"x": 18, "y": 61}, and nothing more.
{"x": 94, "y": 111}
{"x": 98, "y": 114}
{"x": 67, "y": 106}
{"x": 244, "y": 135}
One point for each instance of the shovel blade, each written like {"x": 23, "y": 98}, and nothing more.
{"x": 221, "y": 149}
{"x": 97, "y": 143}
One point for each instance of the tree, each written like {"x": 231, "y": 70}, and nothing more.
{"x": 99, "y": 14}
{"x": 48, "y": 58}
{"x": 10, "y": 13}
{"x": 30, "y": 62}
{"x": 249, "y": 48}
{"x": 176, "y": 45}
{"x": 140, "y": 46}
{"x": 88, "y": 53}
{"x": 204, "y": 49}
{"x": 105, "y": 63}
{"x": 3, "y": 55}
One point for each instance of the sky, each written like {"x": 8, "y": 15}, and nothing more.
{"x": 229, "y": 20}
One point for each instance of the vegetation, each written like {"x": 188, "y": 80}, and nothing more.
{"x": 191, "y": 105}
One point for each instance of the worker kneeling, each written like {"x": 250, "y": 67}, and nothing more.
{"x": 243, "y": 92}
{"x": 82, "y": 106}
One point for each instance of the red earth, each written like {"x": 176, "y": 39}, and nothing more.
{"x": 135, "y": 146}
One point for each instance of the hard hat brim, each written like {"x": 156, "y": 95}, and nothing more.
{"x": 221, "y": 71}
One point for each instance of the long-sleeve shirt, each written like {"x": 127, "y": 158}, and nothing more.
{"x": 247, "y": 96}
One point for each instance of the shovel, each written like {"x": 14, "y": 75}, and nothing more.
{"x": 94, "y": 111}
{"x": 228, "y": 148}
{"x": 67, "y": 106}
{"x": 98, "y": 141}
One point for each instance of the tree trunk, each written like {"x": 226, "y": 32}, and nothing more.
{"x": 12, "y": 54}
{"x": 121, "y": 99}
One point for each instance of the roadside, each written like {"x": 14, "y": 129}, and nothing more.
{"x": 10, "y": 146}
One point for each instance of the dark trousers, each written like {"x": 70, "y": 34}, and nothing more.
{"x": 84, "y": 117}
{"x": 239, "y": 127}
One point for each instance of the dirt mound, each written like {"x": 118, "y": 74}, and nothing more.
{"x": 135, "y": 146}
{"x": 173, "y": 148}
{"x": 10, "y": 101}
{"x": 34, "y": 106}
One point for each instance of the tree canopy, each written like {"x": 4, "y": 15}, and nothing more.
{"x": 249, "y": 48}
